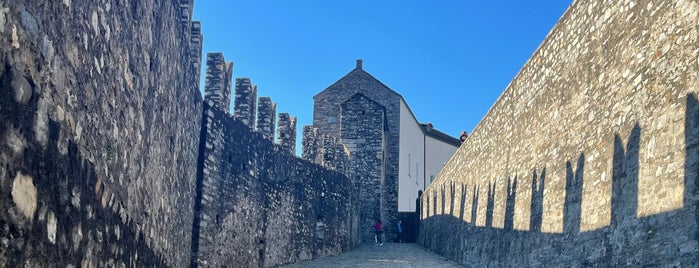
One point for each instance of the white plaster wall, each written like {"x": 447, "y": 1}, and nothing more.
{"x": 437, "y": 154}
{"x": 410, "y": 161}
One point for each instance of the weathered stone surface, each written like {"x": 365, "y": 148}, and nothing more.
{"x": 263, "y": 207}
{"x": 364, "y": 141}
{"x": 218, "y": 73}
{"x": 259, "y": 206}
{"x": 244, "y": 105}
{"x": 98, "y": 92}
{"x": 21, "y": 87}
{"x": 24, "y": 195}
{"x": 589, "y": 157}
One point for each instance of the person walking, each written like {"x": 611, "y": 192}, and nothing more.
{"x": 399, "y": 230}
{"x": 378, "y": 228}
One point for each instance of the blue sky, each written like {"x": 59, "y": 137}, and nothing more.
{"x": 450, "y": 60}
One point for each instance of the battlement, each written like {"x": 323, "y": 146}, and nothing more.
{"x": 245, "y": 101}
{"x": 217, "y": 84}
{"x": 325, "y": 150}
{"x": 266, "y": 114}
{"x": 287, "y": 133}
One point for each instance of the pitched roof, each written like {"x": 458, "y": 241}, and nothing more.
{"x": 358, "y": 71}
{"x": 434, "y": 133}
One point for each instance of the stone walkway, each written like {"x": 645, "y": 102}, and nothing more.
{"x": 388, "y": 255}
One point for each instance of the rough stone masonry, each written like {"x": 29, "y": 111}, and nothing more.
{"x": 110, "y": 157}
{"x": 103, "y": 157}
{"x": 589, "y": 157}
{"x": 257, "y": 204}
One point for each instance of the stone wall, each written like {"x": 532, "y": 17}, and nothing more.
{"x": 99, "y": 120}
{"x": 589, "y": 157}
{"x": 365, "y": 144}
{"x": 258, "y": 205}
{"x": 263, "y": 207}
{"x": 325, "y": 150}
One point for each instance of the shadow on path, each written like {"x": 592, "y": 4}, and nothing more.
{"x": 387, "y": 255}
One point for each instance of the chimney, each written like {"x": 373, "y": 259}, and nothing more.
{"x": 359, "y": 64}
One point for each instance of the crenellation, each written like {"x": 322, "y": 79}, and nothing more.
{"x": 325, "y": 150}
{"x": 217, "y": 84}
{"x": 310, "y": 144}
{"x": 287, "y": 133}
{"x": 195, "y": 54}
{"x": 266, "y": 117}
{"x": 245, "y": 100}
{"x": 195, "y": 47}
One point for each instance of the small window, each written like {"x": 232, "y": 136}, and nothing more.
{"x": 332, "y": 119}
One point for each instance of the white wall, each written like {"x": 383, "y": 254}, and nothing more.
{"x": 410, "y": 161}
{"x": 438, "y": 153}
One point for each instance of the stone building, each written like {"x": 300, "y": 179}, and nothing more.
{"x": 389, "y": 154}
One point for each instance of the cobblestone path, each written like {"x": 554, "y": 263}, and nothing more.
{"x": 387, "y": 255}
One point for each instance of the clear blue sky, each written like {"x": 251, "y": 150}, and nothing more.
{"x": 450, "y": 60}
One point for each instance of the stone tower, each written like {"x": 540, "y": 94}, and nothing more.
{"x": 363, "y": 115}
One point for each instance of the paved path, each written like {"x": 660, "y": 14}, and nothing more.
{"x": 388, "y": 255}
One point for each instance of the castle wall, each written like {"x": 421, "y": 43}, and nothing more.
{"x": 99, "y": 123}
{"x": 589, "y": 157}
{"x": 264, "y": 207}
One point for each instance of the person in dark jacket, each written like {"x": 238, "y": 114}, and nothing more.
{"x": 399, "y": 230}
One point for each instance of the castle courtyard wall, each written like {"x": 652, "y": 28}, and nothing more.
{"x": 99, "y": 121}
{"x": 262, "y": 206}
{"x": 589, "y": 156}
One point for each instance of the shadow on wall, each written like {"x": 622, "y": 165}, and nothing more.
{"x": 57, "y": 211}
{"x": 627, "y": 240}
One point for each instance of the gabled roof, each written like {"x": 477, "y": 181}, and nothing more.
{"x": 357, "y": 72}
{"x": 428, "y": 130}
